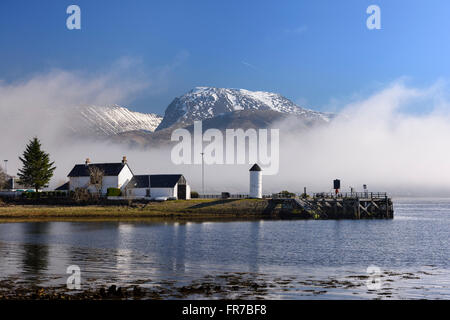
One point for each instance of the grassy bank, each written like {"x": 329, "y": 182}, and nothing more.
{"x": 180, "y": 209}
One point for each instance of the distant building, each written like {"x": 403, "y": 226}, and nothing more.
{"x": 13, "y": 184}
{"x": 115, "y": 175}
{"x": 159, "y": 185}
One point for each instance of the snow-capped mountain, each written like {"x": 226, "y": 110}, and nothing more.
{"x": 207, "y": 102}
{"x": 111, "y": 120}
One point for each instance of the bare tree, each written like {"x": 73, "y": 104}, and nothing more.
{"x": 96, "y": 179}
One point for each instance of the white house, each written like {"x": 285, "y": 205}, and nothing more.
{"x": 115, "y": 175}
{"x": 159, "y": 185}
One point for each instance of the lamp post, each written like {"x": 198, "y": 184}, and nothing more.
{"x": 203, "y": 173}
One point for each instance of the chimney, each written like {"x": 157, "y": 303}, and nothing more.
{"x": 88, "y": 161}
{"x": 124, "y": 160}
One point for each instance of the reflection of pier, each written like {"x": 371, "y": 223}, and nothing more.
{"x": 355, "y": 205}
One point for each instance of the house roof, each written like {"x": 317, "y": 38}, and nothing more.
{"x": 109, "y": 169}
{"x": 64, "y": 187}
{"x": 139, "y": 182}
{"x": 157, "y": 181}
{"x": 255, "y": 168}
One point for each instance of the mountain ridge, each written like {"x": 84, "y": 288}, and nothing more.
{"x": 111, "y": 120}
{"x": 203, "y": 103}
{"x": 218, "y": 108}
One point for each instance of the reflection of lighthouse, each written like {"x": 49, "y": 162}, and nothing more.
{"x": 255, "y": 182}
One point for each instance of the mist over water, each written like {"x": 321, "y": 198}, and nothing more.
{"x": 394, "y": 140}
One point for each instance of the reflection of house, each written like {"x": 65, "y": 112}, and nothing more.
{"x": 159, "y": 185}
{"x": 115, "y": 175}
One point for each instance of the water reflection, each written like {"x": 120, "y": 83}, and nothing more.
{"x": 253, "y": 249}
{"x": 35, "y": 257}
{"x": 132, "y": 252}
{"x": 124, "y": 258}
{"x": 180, "y": 248}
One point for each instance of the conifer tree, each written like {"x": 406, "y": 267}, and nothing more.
{"x": 37, "y": 169}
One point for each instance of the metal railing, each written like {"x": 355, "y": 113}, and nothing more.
{"x": 283, "y": 195}
{"x": 342, "y": 195}
{"x": 231, "y": 196}
{"x": 219, "y": 196}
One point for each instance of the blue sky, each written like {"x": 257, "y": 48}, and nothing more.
{"x": 313, "y": 52}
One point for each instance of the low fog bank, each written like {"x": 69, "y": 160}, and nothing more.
{"x": 382, "y": 140}
{"x": 396, "y": 140}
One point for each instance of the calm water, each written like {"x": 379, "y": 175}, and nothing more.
{"x": 293, "y": 259}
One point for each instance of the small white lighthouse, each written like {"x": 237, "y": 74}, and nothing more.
{"x": 255, "y": 182}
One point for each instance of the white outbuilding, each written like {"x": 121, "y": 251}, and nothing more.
{"x": 255, "y": 182}
{"x": 159, "y": 185}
